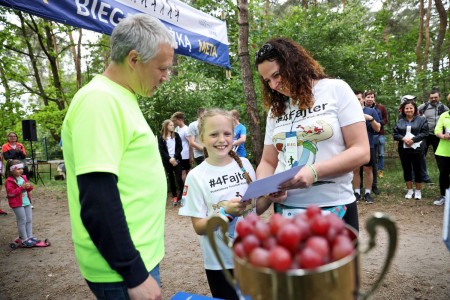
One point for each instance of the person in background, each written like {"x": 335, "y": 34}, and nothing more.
{"x": 411, "y": 132}
{"x": 179, "y": 119}
{"x": 240, "y": 135}
{"x": 206, "y": 194}
{"x": 117, "y": 190}
{"x": 193, "y": 137}
{"x": 18, "y": 190}
{"x": 431, "y": 110}
{"x": 170, "y": 148}
{"x": 379, "y": 139}
{"x": 12, "y": 149}
{"x": 425, "y": 176}
{"x": 373, "y": 125}
{"x": 2, "y": 172}
{"x": 442, "y": 132}
{"x": 313, "y": 121}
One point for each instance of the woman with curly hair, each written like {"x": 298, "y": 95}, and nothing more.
{"x": 315, "y": 122}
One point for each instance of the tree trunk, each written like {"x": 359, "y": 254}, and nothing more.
{"x": 426, "y": 51}
{"x": 420, "y": 39}
{"x": 441, "y": 34}
{"x": 247, "y": 79}
{"x": 76, "y": 54}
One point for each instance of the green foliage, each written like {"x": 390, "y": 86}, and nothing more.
{"x": 367, "y": 49}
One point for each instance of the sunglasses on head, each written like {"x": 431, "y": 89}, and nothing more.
{"x": 264, "y": 50}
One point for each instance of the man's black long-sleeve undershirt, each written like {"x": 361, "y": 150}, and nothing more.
{"x": 103, "y": 216}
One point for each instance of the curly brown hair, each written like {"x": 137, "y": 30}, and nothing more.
{"x": 297, "y": 69}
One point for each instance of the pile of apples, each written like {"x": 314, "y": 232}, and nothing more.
{"x": 306, "y": 241}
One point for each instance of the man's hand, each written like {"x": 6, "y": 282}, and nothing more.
{"x": 148, "y": 290}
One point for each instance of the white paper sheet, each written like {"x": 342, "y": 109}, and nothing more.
{"x": 269, "y": 184}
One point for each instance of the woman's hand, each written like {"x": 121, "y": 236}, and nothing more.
{"x": 303, "y": 179}
{"x": 408, "y": 141}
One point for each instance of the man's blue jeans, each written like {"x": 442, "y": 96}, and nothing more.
{"x": 381, "y": 147}
{"x": 117, "y": 290}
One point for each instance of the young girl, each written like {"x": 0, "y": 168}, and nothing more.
{"x": 216, "y": 187}
{"x": 170, "y": 148}
{"x": 18, "y": 193}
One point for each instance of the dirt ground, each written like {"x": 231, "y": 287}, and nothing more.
{"x": 420, "y": 270}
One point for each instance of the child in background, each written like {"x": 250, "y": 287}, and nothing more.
{"x": 216, "y": 187}
{"x": 18, "y": 193}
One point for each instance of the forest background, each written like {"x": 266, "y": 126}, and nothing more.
{"x": 403, "y": 47}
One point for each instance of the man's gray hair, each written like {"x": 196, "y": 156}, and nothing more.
{"x": 142, "y": 33}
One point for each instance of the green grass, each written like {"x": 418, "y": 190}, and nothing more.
{"x": 393, "y": 186}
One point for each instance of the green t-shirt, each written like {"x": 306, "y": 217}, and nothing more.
{"x": 442, "y": 126}
{"x": 104, "y": 131}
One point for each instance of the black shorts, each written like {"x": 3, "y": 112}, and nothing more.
{"x": 185, "y": 165}
{"x": 372, "y": 158}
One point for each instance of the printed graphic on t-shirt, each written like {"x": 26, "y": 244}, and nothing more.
{"x": 300, "y": 145}
{"x": 226, "y": 181}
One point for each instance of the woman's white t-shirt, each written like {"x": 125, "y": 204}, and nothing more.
{"x": 314, "y": 135}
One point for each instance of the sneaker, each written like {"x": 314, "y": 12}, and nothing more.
{"x": 2, "y": 212}
{"x": 439, "y": 201}
{"x": 418, "y": 195}
{"x": 428, "y": 181}
{"x": 409, "y": 194}
{"x": 380, "y": 174}
{"x": 35, "y": 239}
{"x": 175, "y": 201}
{"x": 368, "y": 198}
{"x": 375, "y": 190}
{"x": 357, "y": 196}
{"x": 28, "y": 243}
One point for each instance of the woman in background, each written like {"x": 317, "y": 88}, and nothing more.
{"x": 410, "y": 132}
{"x": 170, "y": 148}
{"x": 12, "y": 149}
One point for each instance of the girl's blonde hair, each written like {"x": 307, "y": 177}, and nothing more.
{"x": 210, "y": 113}
{"x": 165, "y": 131}
{"x": 9, "y": 163}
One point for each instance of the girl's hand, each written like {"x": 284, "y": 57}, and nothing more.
{"x": 235, "y": 206}
{"x": 278, "y": 197}
{"x": 173, "y": 161}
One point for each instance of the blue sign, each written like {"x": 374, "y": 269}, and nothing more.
{"x": 198, "y": 35}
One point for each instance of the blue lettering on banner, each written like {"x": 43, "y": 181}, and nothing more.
{"x": 103, "y": 15}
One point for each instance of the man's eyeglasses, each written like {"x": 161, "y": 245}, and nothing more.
{"x": 265, "y": 49}
{"x": 12, "y": 136}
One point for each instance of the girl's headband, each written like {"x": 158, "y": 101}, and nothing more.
{"x": 15, "y": 167}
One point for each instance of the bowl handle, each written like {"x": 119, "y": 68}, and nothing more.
{"x": 211, "y": 226}
{"x": 383, "y": 220}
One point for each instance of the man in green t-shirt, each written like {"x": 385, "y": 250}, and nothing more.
{"x": 115, "y": 179}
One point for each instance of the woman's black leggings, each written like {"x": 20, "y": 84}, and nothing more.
{"x": 444, "y": 173}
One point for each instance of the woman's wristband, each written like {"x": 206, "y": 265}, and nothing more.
{"x": 313, "y": 171}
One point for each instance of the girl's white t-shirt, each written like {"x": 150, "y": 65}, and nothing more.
{"x": 312, "y": 135}
{"x": 170, "y": 146}
{"x": 205, "y": 187}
